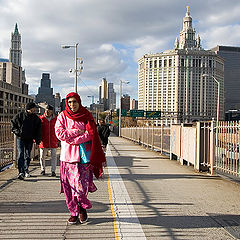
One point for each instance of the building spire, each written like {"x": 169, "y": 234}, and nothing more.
{"x": 187, "y": 13}
{"x": 15, "y": 54}
{"x": 187, "y": 35}
{"x": 16, "y": 30}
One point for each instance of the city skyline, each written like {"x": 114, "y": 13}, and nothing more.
{"x": 112, "y": 37}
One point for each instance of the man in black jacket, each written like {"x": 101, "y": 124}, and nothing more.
{"x": 26, "y": 126}
{"x": 104, "y": 132}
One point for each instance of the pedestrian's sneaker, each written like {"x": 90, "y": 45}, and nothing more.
{"x": 53, "y": 174}
{"x": 83, "y": 215}
{"x": 21, "y": 176}
{"x": 73, "y": 220}
{"x": 27, "y": 175}
{"x": 43, "y": 172}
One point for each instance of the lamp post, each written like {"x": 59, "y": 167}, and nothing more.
{"x": 218, "y": 105}
{"x": 218, "y": 101}
{"x": 92, "y": 98}
{"x": 76, "y": 70}
{"x": 120, "y": 105}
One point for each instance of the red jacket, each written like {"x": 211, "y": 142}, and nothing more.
{"x": 49, "y": 139}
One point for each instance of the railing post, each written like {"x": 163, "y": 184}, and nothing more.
{"x": 212, "y": 148}
{"x": 147, "y": 142}
{"x": 170, "y": 141}
{"x": 162, "y": 137}
{"x": 153, "y": 136}
{"x": 198, "y": 145}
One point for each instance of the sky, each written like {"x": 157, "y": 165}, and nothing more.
{"x": 112, "y": 36}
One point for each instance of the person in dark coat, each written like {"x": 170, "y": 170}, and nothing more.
{"x": 49, "y": 140}
{"x": 26, "y": 125}
{"x": 104, "y": 132}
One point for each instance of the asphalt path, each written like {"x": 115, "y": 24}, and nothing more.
{"x": 143, "y": 195}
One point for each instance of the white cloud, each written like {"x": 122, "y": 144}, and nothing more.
{"x": 226, "y": 35}
{"x": 148, "y": 44}
{"x": 112, "y": 35}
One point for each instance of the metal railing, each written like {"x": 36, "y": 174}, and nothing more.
{"x": 6, "y": 144}
{"x": 216, "y": 146}
{"x": 227, "y": 148}
{"x": 150, "y": 136}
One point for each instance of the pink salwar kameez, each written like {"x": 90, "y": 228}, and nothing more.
{"x": 75, "y": 127}
{"x": 76, "y": 178}
{"x": 76, "y": 182}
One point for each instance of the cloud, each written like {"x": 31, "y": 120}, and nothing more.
{"x": 148, "y": 44}
{"x": 226, "y": 35}
{"x": 112, "y": 35}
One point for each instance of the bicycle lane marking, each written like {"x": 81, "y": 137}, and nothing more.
{"x": 126, "y": 223}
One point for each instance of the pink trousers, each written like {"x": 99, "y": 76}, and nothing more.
{"x": 76, "y": 182}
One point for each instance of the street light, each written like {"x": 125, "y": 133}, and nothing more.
{"x": 120, "y": 107}
{"x": 92, "y": 98}
{"x": 218, "y": 102}
{"x": 76, "y": 70}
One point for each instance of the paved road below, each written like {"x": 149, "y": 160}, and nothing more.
{"x": 143, "y": 196}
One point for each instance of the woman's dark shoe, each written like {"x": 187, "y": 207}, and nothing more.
{"x": 83, "y": 215}
{"x": 73, "y": 220}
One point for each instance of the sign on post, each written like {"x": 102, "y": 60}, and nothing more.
{"x": 136, "y": 113}
{"x": 123, "y": 112}
{"x": 153, "y": 114}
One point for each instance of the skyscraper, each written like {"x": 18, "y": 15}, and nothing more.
{"x": 107, "y": 96}
{"x": 45, "y": 92}
{"x": 57, "y": 102}
{"x": 111, "y": 97}
{"x": 15, "y": 55}
{"x": 173, "y": 82}
{"x": 103, "y": 94}
{"x": 125, "y": 102}
{"x": 13, "y": 89}
{"x": 231, "y": 56}
{"x": 133, "y": 104}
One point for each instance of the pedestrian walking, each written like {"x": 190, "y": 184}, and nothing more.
{"x": 81, "y": 156}
{"x": 26, "y": 125}
{"x": 49, "y": 140}
{"x": 104, "y": 132}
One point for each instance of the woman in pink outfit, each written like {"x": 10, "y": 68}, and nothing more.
{"x": 75, "y": 126}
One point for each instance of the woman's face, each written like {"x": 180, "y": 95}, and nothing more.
{"x": 73, "y": 104}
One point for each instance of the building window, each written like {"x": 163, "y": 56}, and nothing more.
{"x": 182, "y": 62}
{"x": 155, "y": 64}
{"x": 150, "y": 64}
{"x": 160, "y": 63}
{"x": 210, "y": 63}
{"x": 165, "y": 63}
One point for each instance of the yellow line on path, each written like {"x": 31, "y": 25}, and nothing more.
{"x": 112, "y": 208}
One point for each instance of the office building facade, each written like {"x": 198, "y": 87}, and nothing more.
{"x": 45, "y": 92}
{"x": 111, "y": 97}
{"x": 107, "y": 95}
{"x": 125, "y": 102}
{"x": 133, "y": 104}
{"x": 173, "y": 81}
{"x": 15, "y": 55}
{"x": 13, "y": 88}
{"x": 231, "y": 56}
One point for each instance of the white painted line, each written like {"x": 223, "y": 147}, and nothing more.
{"x": 128, "y": 225}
